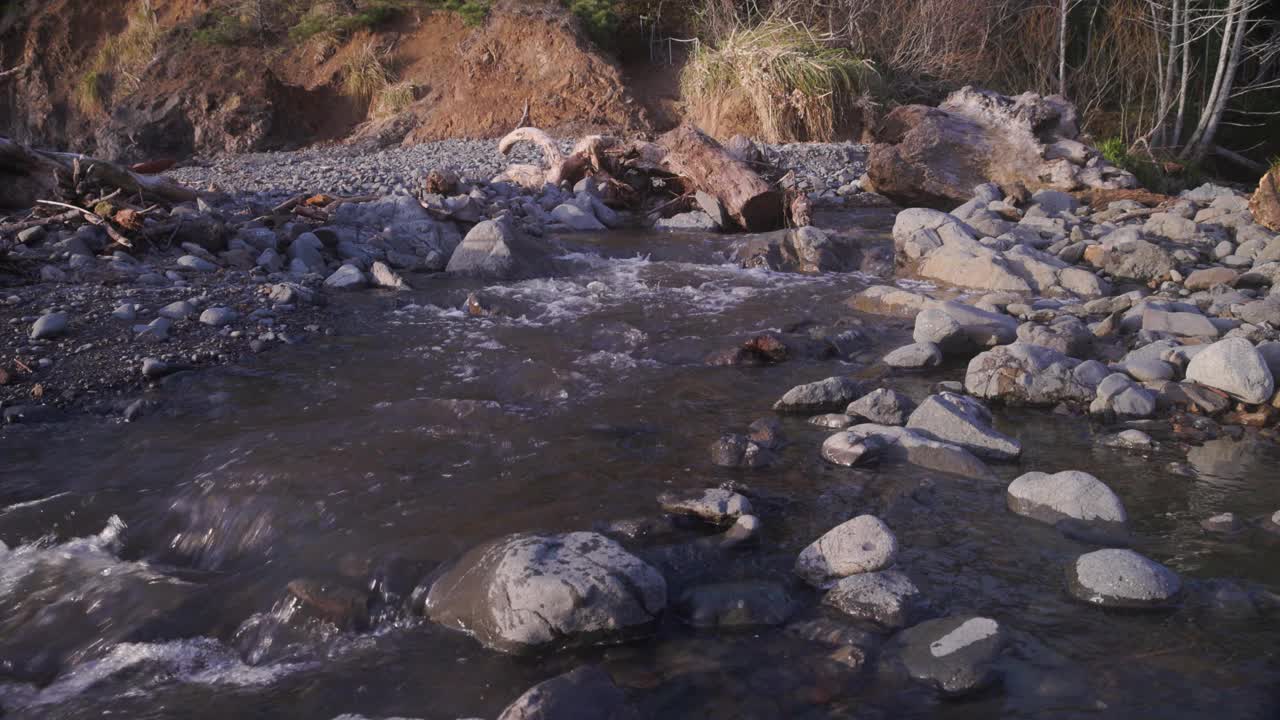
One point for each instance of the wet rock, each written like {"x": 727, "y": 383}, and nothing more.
{"x": 1130, "y": 439}
{"x": 1223, "y": 523}
{"x": 914, "y": 357}
{"x": 1029, "y": 374}
{"x": 1120, "y": 395}
{"x": 290, "y": 294}
{"x": 495, "y": 249}
{"x": 737, "y": 604}
{"x": 1122, "y": 578}
{"x": 1069, "y": 494}
{"x": 863, "y": 544}
{"x": 715, "y": 505}
{"x": 586, "y": 693}
{"x": 831, "y": 421}
{"x": 1235, "y": 367}
{"x": 954, "y": 655}
{"x": 31, "y": 414}
{"x": 50, "y": 325}
{"x": 153, "y": 368}
{"x": 767, "y": 433}
{"x": 764, "y": 349}
{"x": 524, "y": 591}
{"x": 974, "y": 328}
{"x": 882, "y": 407}
{"x": 218, "y": 316}
{"x": 575, "y": 218}
{"x": 909, "y": 446}
{"x": 384, "y": 277}
{"x": 347, "y": 277}
{"x": 888, "y": 598}
{"x": 695, "y": 221}
{"x": 849, "y": 449}
{"x": 965, "y": 422}
{"x": 346, "y": 607}
{"x": 734, "y": 450}
{"x": 804, "y": 250}
{"x": 831, "y": 395}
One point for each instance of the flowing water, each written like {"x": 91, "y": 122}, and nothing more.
{"x": 144, "y": 567}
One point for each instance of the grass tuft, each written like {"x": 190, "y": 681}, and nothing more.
{"x": 365, "y": 73}
{"x": 392, "y": 99}
{"x": 797, "y": 85}
{"x": 122, "y": 58}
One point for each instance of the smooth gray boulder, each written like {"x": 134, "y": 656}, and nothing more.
{"x": 1028, "y": 374}
{"x": 180, "y": 310}
{"x": 883, "y": 406}
{"x": 888, "y": 598}
{"x": 963, "y": 421}
{"x": 904, "y": 445}
{"x": 585, "y": 693}
{"x": 494, "y": 249}
{"x": 1069, "y": 494}
{"x": 347, "y": 277}
{"x": 919, "y": 231}
{"x": 1235, "y": 367}
{"x": 196, "y": 264}
{"x": 575, "y": 218}
{"x": 863, "y": 544}
{"x": 1122, "y": 396}
{"x": 849, "y": 449}
{"x": 978, "y": 329}
{"x": 218, "y": 316}
{"x": 694, "y": 221}
{"x": 831, "y": 395}
{"x": 1122, "y": 578}
{"x": 915, "y": 356}
{"x": 953, "y": 655}
{"x": 526, "y": 591}
{"x": 715, "y": 505}
{"x": 49, "y": 325}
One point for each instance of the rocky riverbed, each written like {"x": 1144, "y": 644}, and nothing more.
{"x": 534, "y": 456}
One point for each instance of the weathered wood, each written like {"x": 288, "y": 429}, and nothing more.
{"x": 117, "y": 176}
{"x": 749, "y": 200}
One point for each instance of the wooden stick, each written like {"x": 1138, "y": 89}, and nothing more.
{"x": 12, "y": 71}
{"x": 51, "y": 220}
{"x": 96, "y": 219}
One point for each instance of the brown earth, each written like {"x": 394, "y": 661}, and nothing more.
{"x": 199, "y": 98}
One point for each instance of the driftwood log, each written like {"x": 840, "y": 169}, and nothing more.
{"x": 28, "y": 175}
{"x": 686, "y": 156}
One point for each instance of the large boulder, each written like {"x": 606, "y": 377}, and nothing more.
{"x": 1069, "y": 494}
{"x": 1124, "y": 253}
{"x": 1027, "y": 374}
{"x": 1265, "y": 203}
{"x": 1122, "y": 578}
{"x": 904, "y": 445}
{"x": 805, "y": 250}
{"x": 525, "y": 591}
{"x": 888, "y": 598}
{"x": 585, "y": 693}
{"x": 953, "y": 655}
{"x": 863, "y": 544}
{"x": 960, "y": 329}
{"x": 495, "y": 249}
{"x": 965, "y": 422}
{"x": 935, "y": 157}
{"x": 1235, "y": 367}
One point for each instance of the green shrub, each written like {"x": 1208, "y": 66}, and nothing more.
{"x": 473, "y": 12}
{"x": 221, "y": 28}
{"x": 1151, "y": 174}
{"x": 599, "y": 18}
{"x": 369, "y": 17}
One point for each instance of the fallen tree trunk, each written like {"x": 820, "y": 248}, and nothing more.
{"x": 749, "y": 200}
{"x": 45, "y": 175}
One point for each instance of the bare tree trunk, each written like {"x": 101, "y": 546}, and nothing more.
{"x": 1186, "y": 73}
{"x": 1166, "y": 88}
{"x": 1194, "y": 146}
{"x": 1064, "y": 8}
{"x": 1224, "y": 79}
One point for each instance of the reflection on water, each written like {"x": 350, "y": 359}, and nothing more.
{"x": 260, "y": 499}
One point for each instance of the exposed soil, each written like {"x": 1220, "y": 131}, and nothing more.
{"x": 468, "y": 82}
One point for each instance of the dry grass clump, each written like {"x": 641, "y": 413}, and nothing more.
{"x": 392, "y": 99}
{"x": 367, "y": 76}
{"x": 122, "y": 58}
{"x": 797, "y": 85}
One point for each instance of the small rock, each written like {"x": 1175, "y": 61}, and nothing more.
{"x": 385, "y": 277}
{"x": 1235, "y": 367}
{"x": 915, "y": 356}
{"x": 1067, "y": 494}
{"x": 347, "y": 277}
{"x": 737, "y": 604}
{"x": 715, "y": 505}
{"x": 848, "y": 449}
{"x": 218, "y": 316}
{"x": 888, "y": 598}
{"x": 734, "y": 450}
{"x": 127, "y": 312}
{"x": 155, "y": 368}
{"x": 587, "y": 693}
{"x": 1122, "y": 578}
{"x": 191, "y": 262}
{"x": 180, "y": 310}
{"x": 1223, "y": 523}
{"x": 963, "y": 421}
{"x": 832, "y": 421}
{"x": 863, "y": 544}
{"x": 882, "y": 407}
{"x": 831, "y": 395}
{"x": 767, "y": 433}
{"x": 50, "y": 325}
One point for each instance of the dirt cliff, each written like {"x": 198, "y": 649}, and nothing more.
{"x": 136, "y": 80}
